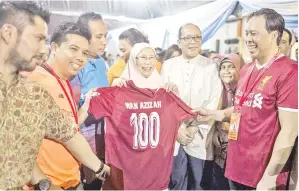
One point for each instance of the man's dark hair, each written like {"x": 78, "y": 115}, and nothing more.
{"x": 61, "y": 31}
{"x": 290, "y": 35}
{"x": 89, "y": 16}
{"x": 274, "y": 21}
{"x": 181, "y": 28}
{"x": 22, "y": 13}
{"x": 134, "y": 36}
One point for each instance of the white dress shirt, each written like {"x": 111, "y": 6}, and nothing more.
{"x": 199, "y": 86}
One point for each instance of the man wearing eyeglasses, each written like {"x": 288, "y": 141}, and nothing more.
{"x": 199, "y": 86}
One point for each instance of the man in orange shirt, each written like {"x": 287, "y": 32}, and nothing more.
{"x": 69, "y": 51}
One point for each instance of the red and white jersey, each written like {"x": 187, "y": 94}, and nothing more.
{"x": 141, "y": 129}
{"x": 248, "y": 157}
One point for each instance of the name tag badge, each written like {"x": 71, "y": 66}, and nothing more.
{"x": 234, "y": 126}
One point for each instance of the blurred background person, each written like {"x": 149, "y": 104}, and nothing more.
{"x": 172, "y": 51}
{"x": 216, "y": 58}
{"x": 285, "y": 44}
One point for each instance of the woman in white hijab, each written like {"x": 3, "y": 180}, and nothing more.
{"x": 141, "y": 69}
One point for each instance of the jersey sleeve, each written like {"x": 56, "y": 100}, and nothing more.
{"x": 58, "y": 123}
{"x": 102, "y": 104}
{"x": 181, "y": 110}
{"x": 287, "y": 97}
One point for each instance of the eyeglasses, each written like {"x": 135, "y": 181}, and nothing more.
{"x": 189, "y": 38}
{"x": 144, "y": 58}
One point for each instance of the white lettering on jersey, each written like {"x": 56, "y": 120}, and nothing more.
{"x": 258, "y": 101}
{"x": 146, "y": 130}
{"x": 131, "y": 105}
{"x": 150, "y": 105}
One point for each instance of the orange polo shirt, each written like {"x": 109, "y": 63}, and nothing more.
{"x": 53, "y": 158}
{"x": 118, "y": 67}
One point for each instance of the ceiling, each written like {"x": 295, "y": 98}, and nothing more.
{"x": 118, "y": 13}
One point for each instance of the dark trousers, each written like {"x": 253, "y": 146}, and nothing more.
{"x": 237, "y": 186}
{"x": 187, "y": 172}
{"x": 95, "y": 185}
{"x": 100, "y": 149}
{"x": 220, "y": 182}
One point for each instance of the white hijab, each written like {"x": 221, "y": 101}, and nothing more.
{"x": 130, "y": 72}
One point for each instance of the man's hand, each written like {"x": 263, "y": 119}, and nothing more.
{"x": 91, "y": 93}
{"x": 171, "y": 87}
{"x": 104, "y": 173}
{"x": 90, "y": 176}
{"x": 207, "y": 115}
{"x": 184, "y": 137}
{"x": 83, "y": 111}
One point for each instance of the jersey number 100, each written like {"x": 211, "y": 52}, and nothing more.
{"x": 146, "y": 130}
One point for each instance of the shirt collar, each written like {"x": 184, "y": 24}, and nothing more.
{"x": 93, "y": 61}
{"x": 193, "y": 60}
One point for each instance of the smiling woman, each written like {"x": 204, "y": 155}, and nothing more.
{"x": 127, "y": 40}
{"x": 230, "y": 67}
{"x": 141, "y": 67}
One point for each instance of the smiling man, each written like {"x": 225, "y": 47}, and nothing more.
{"x": 265, "y": 112}
{"x": 28, "y": 112}
{"x": 69, "y": 52}
{"x": 268, "y": 126}
{"x": 199, "y": 86}
{"x": 93, "y": 75}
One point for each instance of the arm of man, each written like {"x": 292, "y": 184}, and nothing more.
{"x": 38, "y": 175}
{"x": 282, "y": 148}
{"x": 61, "y": 127}
{"x": 287, "y": 103}
{"x": 83, "y": 111}
{"x": 81, "y": 150}
{"x": 284, "y": 142}
{"x": 217, "y": 115}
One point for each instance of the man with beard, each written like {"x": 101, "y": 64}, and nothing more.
{"x": 28, "y": 112}
{"x": 264, "y": 119}
{"x": 93, "y": 75}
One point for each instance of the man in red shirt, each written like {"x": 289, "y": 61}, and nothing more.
{"x": 141, "y": 129}
{"x": 266, "y": 105}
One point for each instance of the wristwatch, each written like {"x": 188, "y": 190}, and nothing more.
{"x": 43, "y": 184}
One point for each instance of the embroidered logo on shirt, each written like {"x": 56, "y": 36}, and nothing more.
{"x": 264, "y": 82}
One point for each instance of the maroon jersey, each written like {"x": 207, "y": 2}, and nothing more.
{"x": 141, "y": 129}
{"x": 248, "y": 157}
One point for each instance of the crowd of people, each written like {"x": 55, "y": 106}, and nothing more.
{"x": 71, "y": 119}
